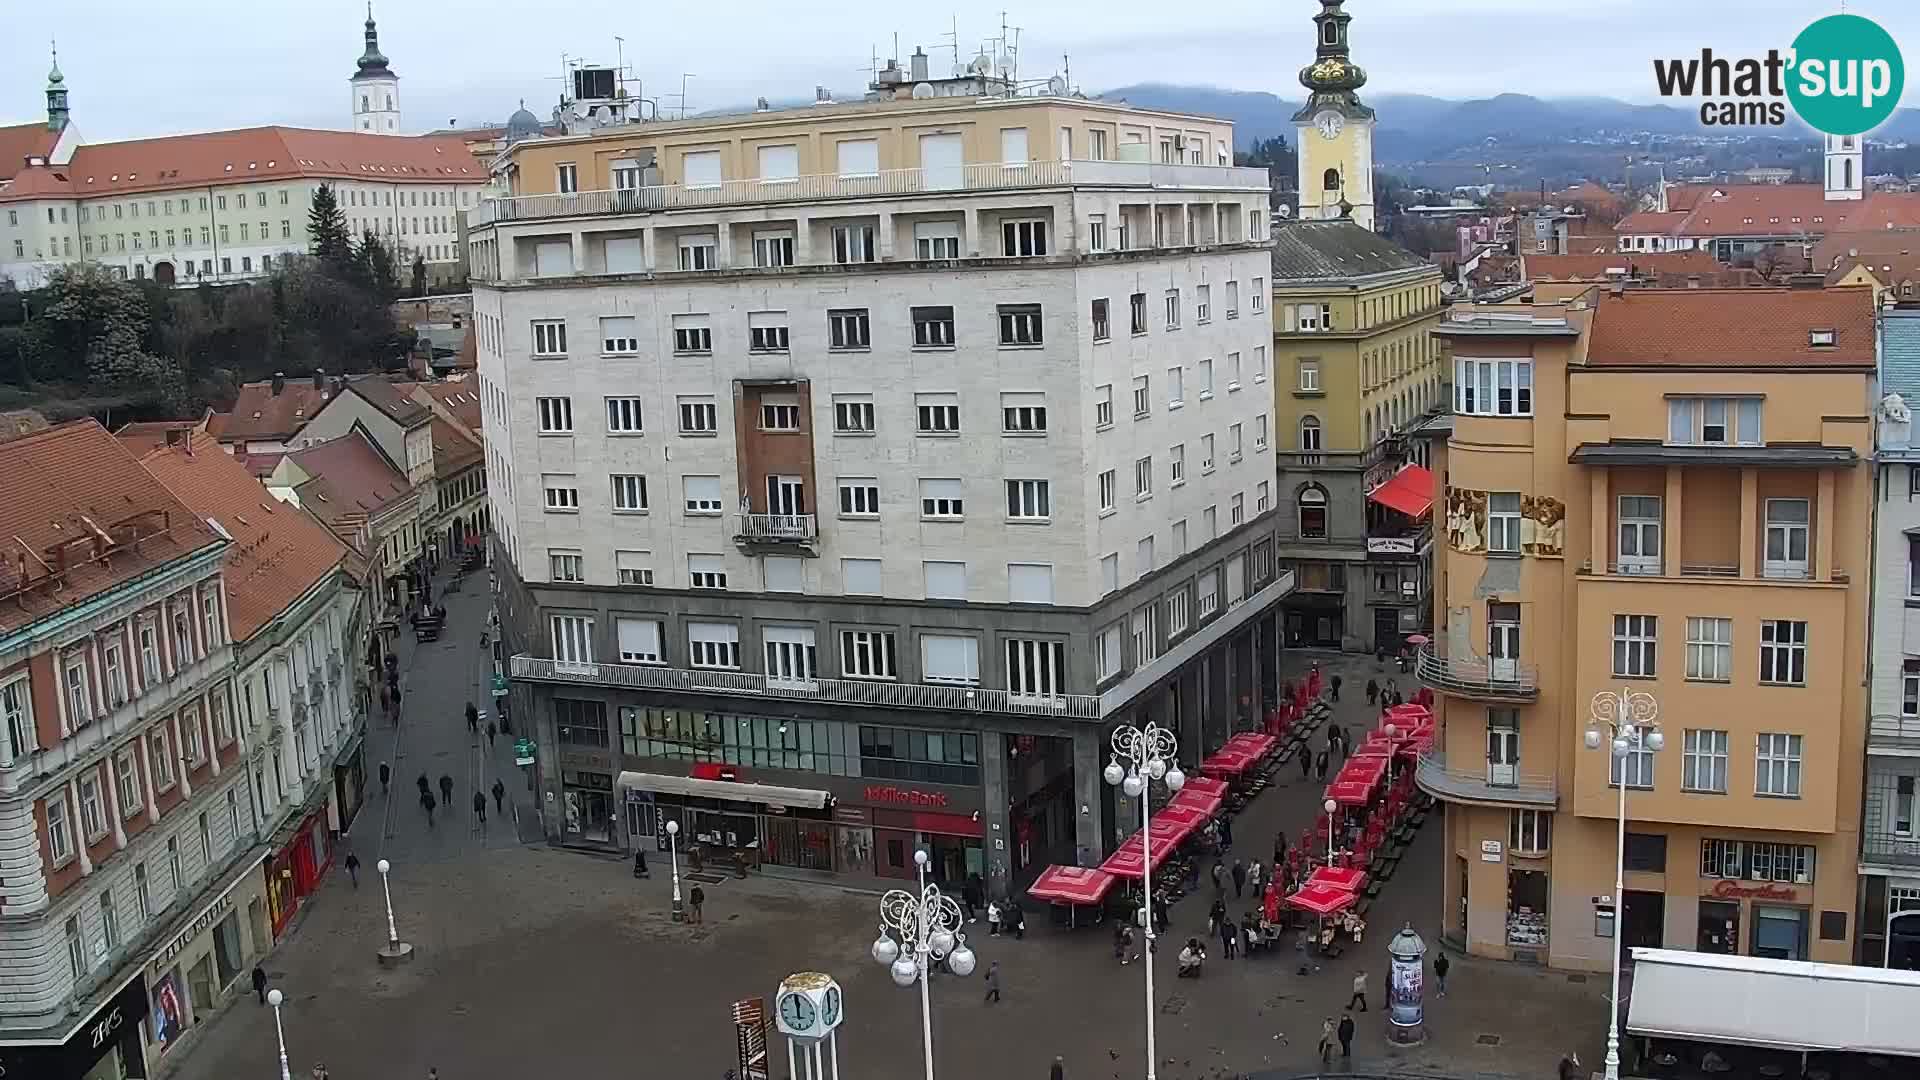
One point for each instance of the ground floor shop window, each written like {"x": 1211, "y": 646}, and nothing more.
{"x": 1719, "y": 927}
{"x": 1780, "y": 932}
{"x": 1527, "y": 909}
{"x": 589, "y": 806}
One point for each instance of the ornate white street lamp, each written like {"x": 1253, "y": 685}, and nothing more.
{"x": 394, "y": 951}
{"x": 673, "y": 855}
{"x": 1626, "y": 721}
{"x": 915, "y": 930}
{"x": 274, "y": 998}
{"x": 1142, "y": 755}
{"x": 1331, "y": 808}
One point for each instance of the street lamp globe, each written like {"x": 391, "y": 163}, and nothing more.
{"x": 1593, "y": 738}
{"x": 673, "y": 828}
{"x": 1157, "y": 768}
{"x": 904, "y": 971}
{"x": 1133, "y": 785}
{"x": 1621, "y": 744}
{"x": 1175, "y": 778}
{"x": 919, "y": 856}
{"x": 1114, "y": 774}
{"x": 885, "y": 950}
{"x": 275, "y": 997}
{"x": 383, "y": 866}
{"x": 961, "y": 962}
{"x": 941, "y": 942}
{"x": 1656, "y": 739}
{"x": 1330, "y": 806}
{"x": 1393, "y": 732}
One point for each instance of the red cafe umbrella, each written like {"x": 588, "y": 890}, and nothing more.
{"x": 1125, "y": 863}
{"x": 1168, "y": 831}
{"x": 1339, "y": 877}
{"x": 1348, "y": 793}
{"x": 1417, "y": 639}
{"x": 1206, "y": 803}
{"x": 1206, "y": 785}
{"x": 1071, "y": 885}
{"x": 1322, "y": 899}
{"x": 1186, "y": 814}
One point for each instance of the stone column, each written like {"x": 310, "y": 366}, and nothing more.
{"x": 78, "y": 828}
{"x": 996, "y": 832}
{"x": 1749, "y": 523}
{"x": 1089, "y": 757}
{"x": 146, "y": 775}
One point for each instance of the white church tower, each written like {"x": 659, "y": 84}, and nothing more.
{"x": 376, "y": 89}
{"x": 1846, "y": 167}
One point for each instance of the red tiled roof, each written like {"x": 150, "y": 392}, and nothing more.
{"x": 1732, "y": 328}
{"x": 1597, "y": 267}
{"x": 453, "y": 449}
{"x": 462, "y": 399}
{"x": 347, "y": 476}
{"x": 249, "y": 155}
{"x": 1681, "y": 197}
{"x": 1767, "y": 210}
{"x": 149, "y": 435}
{"x": 1651, "y": 223}
{"x": 1891, "y": 255}
{"x": 278, "y": 552}
{"x": 393, "y": 400}
{"x": 262, "y": 415}
{"x": 64, "y": 489}
{"x": 21, "y": 141}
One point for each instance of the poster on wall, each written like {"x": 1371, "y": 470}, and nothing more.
{"x": 169, "y": 1010}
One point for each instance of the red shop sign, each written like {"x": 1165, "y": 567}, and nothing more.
{"x": 1734, "y": 890}
{"x": 889, "y": 795}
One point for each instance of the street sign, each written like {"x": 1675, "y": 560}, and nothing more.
{"x": 523, "y": 751}
{"x": 499, "y": 685}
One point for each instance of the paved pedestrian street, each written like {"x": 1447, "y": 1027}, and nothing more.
{"x": 537, "y": 962}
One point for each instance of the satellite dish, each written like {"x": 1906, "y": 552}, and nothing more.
{"x": 922, "y": 91}
{"x": 1057, "y": 86}
{"x": 1283, "y": 211}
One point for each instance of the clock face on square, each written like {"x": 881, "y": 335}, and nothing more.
{"x": 1329, "y": 124}
{"x": 798, "y": 1013}
{"x": 830, "y": 1007}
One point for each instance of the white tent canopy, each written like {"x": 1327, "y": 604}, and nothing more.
{"x": 1783, "y": 1004}
{"x": 769, "y": 794}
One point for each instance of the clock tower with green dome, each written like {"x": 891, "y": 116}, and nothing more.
{"x": 1333, "y": 130}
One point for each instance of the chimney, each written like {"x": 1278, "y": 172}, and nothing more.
{"x": 919, "y": 62}
{"x": 1618, "y": 286}
{"x": 279, "y": 382}
{"x": 319, "y": 378}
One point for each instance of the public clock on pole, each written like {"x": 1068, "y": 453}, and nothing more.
{"x": 1329, "y": 124}
{"x": 808, "y": 1005}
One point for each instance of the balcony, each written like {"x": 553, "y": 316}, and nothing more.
{"x": 757, "y": 533}
{"x": 1897, "y": 733}
{"x": 1490, "y": 784}
{"x": 888, "y": 183}
{"x": 1475, "y": 678}
{"x": 890, "y": 695}
{"x": 1895, "y": 851}
{"x": 1356, "y": 460}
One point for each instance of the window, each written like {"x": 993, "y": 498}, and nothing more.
{"x": 1309, "y": 377}
{"x": 945, "y": 580}
{"x": 950, "y": 659}
{"x": 1703, "y": 763}
{"x": 1028, "y": 500}
{"x": 629, "y": 493}
{"x": 1783, "y": 652}
{"x": 1902, "y": 810}
{"x": 1263, "y": 500}
{"x": 1636, "y": 764}
{"x": 692, "y": 334}
{"x": 767, "y": 331}
{"x": 1023, "y": 238}
{"x": 1107, "y": 485}
{"x": 1206, "y": 453}
{"x": 1646, "y": 852}
{"x": 1713, "y": 421}
{"x": 859, "y": 497}
{"x": 556, "y": 415}
{"x": 619, "y": 334}
{"x": 126, "y": 778}
{"x": 59, "y": 828}
{"x": 938, "y": 414}
{"x": 936, "y": 240}
{"x": 1030, "y": 583}
{"x": 702, "y": 494}
{"x": 1709, "y": 649}
{"x": 562, "y": 495}
{"x": 1639, "y": 534}
{"x": 860, "y": 576}
{"x": 1023, "y": 414}
{"x": 1019, "y": 324}
{"x": 853, "y": 244}
{"x": 698, "y": 416}
{"x": 1493, "y": 387}
{"x": 1142, "y": 477}
{"x": 1143, "y": 556}
{"x": 1260, "y": 432}
{"x": 1177, "y": 457}
{"x": 1786, "y": 550}
{"x": 580, "y": 723}
{"x": 941, "y": 499}
{"x": 572, "y": 639}
{"x": 1146, "y": 633}
{"x": 633, "y": 567}
{"x": 699, "y": 251}
{"x": 791, "y": 654}
{"x": 867, "y": 654}
{"x": 1503, "y": 522}
{"x": 1258, "y": 297}
{"x": 1305, "y": 318}
{"x": 211, "y": 622}
{"x": 1137, "y": 306}
{"x": 706, "y": 571}
{"x": 550, "y": 338}
{"x": 848, "y": 329}
{"x": 784, "y": 573}
{"x": 1102, "y": 328}
{"x": 16, "y": 714}
{"x": 79, "y": 697}
{"x": 1235, "y": 443}
{"x": 1237, "y": 508}
{"x": 933, "y": 327}
{"x": 853, "y": 416}
{"x": 1206, "y": 379}
{"x": 1103, "y": 405}
{"x": 1203, "y": 303}
{"x": 76, "y": 951}
{"x": 1634, "y": 645}
{"x": 1176, "y": 392}
{"x": 1173, "y": 309}
{"x": 568, "y": 178}
{"x": 1036, "y": 668}
{"x": 623, "y": 416}
{"x": 1910, "y": 688}
{"x": 779, "y": 414}
{"x": 1776, "y": 766}
{"x": 160, "y": 759}
{"x": 1530, "y": 832}
{"x": 772, "y": 249}
{"x": 565, "y": 566}
{"x": 93, "y": 817}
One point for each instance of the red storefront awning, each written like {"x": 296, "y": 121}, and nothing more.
{"x": 1410, "y": 491}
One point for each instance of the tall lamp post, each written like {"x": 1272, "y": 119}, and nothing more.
{"x": 1626, "y": 721}
{"x": 927, "y": 926}
{"x": 394, "y": 951}
{"x": 1331, "y": 808}
{"x": 1142, "y": 755}
{"x": 673, "y": 856}
{"x": 274, "y": 998}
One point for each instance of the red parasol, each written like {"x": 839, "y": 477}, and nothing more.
{"x": 1206, "y": 803}
{"x": 1228, "y": 761}
{"x": 1125, "y": 863}
{"x": 1348, "y": 793}
{"x": 1339, "y": 877}
{"x": 1185, "y": 813}
{"x": 1322, "y": 899}
{"x": 1206, "y": 785}
{"x": 1071, "y": 885}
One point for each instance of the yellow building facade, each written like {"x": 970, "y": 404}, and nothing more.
{"x": 1658, "y": 492}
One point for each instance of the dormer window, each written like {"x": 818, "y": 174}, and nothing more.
{"x": 1822, "y": 338}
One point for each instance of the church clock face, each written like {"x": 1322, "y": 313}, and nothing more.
{"x": 1329, "y": 124}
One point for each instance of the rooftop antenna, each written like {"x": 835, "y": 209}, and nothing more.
{"x": 1066, "y": 62}
{"x": 1015, "y": 50}
{"x": 953, "y": 42}
{"x": 620, "y": 65}
{"x": 684, "y": 76}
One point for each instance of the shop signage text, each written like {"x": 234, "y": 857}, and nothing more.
{"x": 1734, "y": 890}
{"x": 214, "y": 913}
{"x": 899, "y": 796}
{"x": 1391, "y": 545}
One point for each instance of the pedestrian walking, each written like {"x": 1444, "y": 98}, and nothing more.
{"x": 1216, "y": 915}
{"x": 1320, "y": 766}
{"x": 993, "y": 983}
{"x": 640, "y": 862}
{"x": 993, "y": 918}
{"x": 1229, "y": 938}
{"x": 1162, "y": 914}
{"x": 424, "y": 788}
{"x": 1359, "y": 997}
{"x": 1059, "y": 1070}
{"x": 1345, "y": 1032}
{"x": 1326, "y": 1041}
{"x": 499, "y": 797}
{"x": 1335, "y": 683}
{"x": 473, "y": 719}
{"x": 320, "y": 1072}
{"x": 427, "y": 803}
{"x": 446, "y": 789}
{"x": 971, "y": 893}
{"x": 1254, "y": 878}
{"x": 1440, "y": 966}
{"x": 1305, "y": 750}
{"x": 695, "y": 900}
{"x": 1570, "y": 1067}
{"x": 1373, "y": 692}
{"x": 1226, "y": 834}
{"x": 1239, "y": 879}
{"x": 1219, "y": 879}
{"x": 353, "y": 869}
{"x": 260, "y": 983}
{"x": 1122, "y": 941}
{"x": 1279, "y": 849}
{"x": 1019, "y": 920}
{"x": 480, "y": 808}
{"x": 490, "y": 733}
{"x": 385, "y": 775}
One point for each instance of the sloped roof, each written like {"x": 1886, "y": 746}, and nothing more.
{"x": 1334, "y": 250}
{"x": 1890, "y": 255}
{"x": 149, "y": 435}
{"x": 21, "y": 141}
{"x": 1651, "y": 223}
{"x": 279, "y": 551}
{"x": 453, "y": 450}
{"x": 394, "y": 400}
{"x": 1900, "y": 354}
{"x": 61, "y": 490}
{"x": 1733, "y": 328}
{"x": 1597, "y": 267}
{"x": 260, "y": 414}
{"x": 347, "y": 476}
{"x": 249, "y": 156}
{"x": 17, "y": 422}
{"x": 462, "y": 399}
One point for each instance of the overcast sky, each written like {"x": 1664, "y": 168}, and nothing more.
{"x": 138, "y": 69}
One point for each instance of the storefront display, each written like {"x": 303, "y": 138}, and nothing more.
{"x": 588, "y": 799}
{"x": 113, "y": 1028}
{"x": 299, "y": 863}
{"x": 1779, "y": 932}
{"x": 1527, "y": 909}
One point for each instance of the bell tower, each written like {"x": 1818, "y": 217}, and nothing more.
{"x": 1333, "y": 130}
{"x": 57, "y": 111}
{"x": 1845, "y": 165}
{"x": 376, "y": 89}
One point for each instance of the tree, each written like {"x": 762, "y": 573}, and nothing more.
{"x": 376, "y": 269}
{"x": 102, "y": 322}
{"x": 327, "y": 227}
{"x": 419, "y": 275}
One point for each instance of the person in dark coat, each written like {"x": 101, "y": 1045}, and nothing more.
{"x": 1229, "y": 938}
{"x": 1059, "y": 1070}
{"x": 260, "y": 983}
{"x": 424, "y": 788}
{"x": 1305, "y": 751}
{"x": 480, "y": 807}
{"x": 446, "y": 789}
{"x": 1239, "y": 879}
{"x": 1216, "y": 915}
{"x": 353, "y": 869}
{"x": 1373, "y": 692}
{"x": 1334, "y": 682}
{"x": 1320, "y": 766}
{"x": 386, "y": 774}
{"x": 1345, "y": 1031}
{"x": 499, "y": 797}
{"x": 1226, "y": 832}
{"x": 639, "y": 861}
{"x": 971, "y": 892}
{"x": 1219, "y": 873}
{"x": 473, "y": 719}
{"x": 427, "y": 803}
